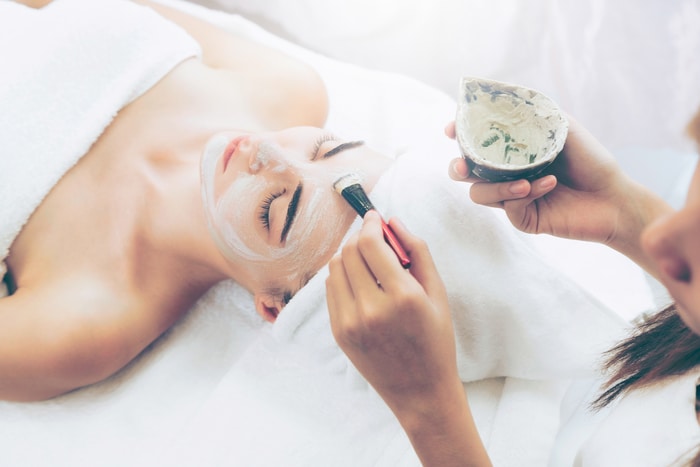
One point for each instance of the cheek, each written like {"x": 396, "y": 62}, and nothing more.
{"x": 232, "y": 220}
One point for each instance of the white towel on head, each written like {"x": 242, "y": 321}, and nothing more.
{"x": 68, "y": 68}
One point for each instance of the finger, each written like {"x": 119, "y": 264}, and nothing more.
{"x": 377, "y": 254}
{"x": 542, "y": 186}
{"x": 450, "y": 130}
{"x": 360, "y": 277}
{"x": 337, "y": 283}
{"x": 490, "y": 194}
{"x": 459, "y": 170}
{"x": 423, "y": 267}
{"x": 538, "y": 189}
{"x": 519, "y": 210}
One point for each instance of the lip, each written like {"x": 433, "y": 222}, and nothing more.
{"x": 230, "y": 151}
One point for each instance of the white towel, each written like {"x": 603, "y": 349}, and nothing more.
{"x": 514, "y": 314}
{"x": 515, "y": 317}
{"x": 67, "y": 70}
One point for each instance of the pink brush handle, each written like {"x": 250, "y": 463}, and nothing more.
{"x": 393, "y": 242}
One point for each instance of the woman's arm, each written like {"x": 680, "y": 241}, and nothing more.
{"x": 585, "y": 196}
{"x": 395, "y": 326}
{"x": 67, "y": 334}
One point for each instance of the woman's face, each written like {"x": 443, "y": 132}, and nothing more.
{"x": 673, "y": 242}
{"x": 271, "y": 207}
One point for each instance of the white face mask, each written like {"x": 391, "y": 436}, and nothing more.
{"x": 268, "y": 174}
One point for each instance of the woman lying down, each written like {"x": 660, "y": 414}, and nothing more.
{"x": 213, "y": 165}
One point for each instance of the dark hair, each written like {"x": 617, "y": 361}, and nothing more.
{"x": 661, "y": 346}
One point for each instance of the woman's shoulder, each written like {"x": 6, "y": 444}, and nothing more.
{"x": 61, "y": 334}
{"x": 284, "y": 90}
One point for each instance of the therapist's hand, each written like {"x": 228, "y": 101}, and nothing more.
{"x": 394, "y": 324}
{"x": 396, "y": 328}
{"x": 585, "y": 196}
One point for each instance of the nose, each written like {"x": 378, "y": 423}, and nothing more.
{"x": 671, "y": 243}
{"x": 263, "y": 155}
{"x": 246, "y": 151}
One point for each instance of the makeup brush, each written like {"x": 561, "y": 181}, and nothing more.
{"x": 349, "y": 187}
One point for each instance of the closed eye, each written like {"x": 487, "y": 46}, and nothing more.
{"x": 291, "y": 212}
{"x": 325, "y": 138}
{"x": 264, "y": 214}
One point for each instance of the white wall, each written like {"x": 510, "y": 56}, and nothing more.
{"x": 628, "y": 69}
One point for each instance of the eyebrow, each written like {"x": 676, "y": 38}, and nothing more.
{"x": 291, "y": 212}
{"x": 343, "y": 147}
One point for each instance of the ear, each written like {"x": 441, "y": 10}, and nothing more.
{"x": 267, "y": 306}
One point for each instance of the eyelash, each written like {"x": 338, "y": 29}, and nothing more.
{"x": 324, "y": 138}
{"x": 264, "y": 215}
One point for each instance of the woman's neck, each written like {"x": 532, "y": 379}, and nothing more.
{"x": 156, "y": 156}
{"x": 173, "y": 219}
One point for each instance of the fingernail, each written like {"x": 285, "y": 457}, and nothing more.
{"x": 518, "y": 188}
{"x": 457, "y": 169}
{"x": 546, "y": 183}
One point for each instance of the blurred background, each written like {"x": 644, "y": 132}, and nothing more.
{"x": 628, "y": 69}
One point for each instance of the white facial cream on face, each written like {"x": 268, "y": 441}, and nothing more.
{"x": 262, "y": 156}
{"x": 232, "y": 233}
{"x": 308, "y": 220}
{"x": 232, "y": 227}
{"x": 227, "y": 219}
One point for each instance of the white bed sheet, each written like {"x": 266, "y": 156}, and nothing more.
{"x": 123, "y": 420}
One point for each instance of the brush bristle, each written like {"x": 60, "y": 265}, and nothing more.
{"x": 350, "y": 188}
{"x": 346, "y": 181}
